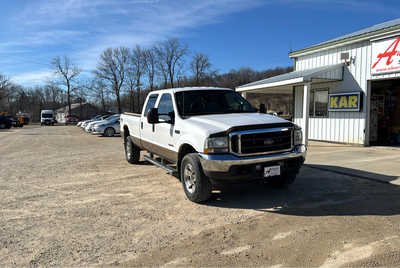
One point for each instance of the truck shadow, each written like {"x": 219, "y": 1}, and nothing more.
{"x": 318, "y": 191}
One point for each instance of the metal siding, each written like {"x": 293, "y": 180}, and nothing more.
{"x": 347, "y": 127}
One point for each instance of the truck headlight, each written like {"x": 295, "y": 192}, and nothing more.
{"x": 216, "y": 145}
{"x": 297, "y": 136}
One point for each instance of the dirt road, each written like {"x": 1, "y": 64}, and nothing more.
{"x": 70, "y": 198}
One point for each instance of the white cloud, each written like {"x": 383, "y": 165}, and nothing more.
{"x": 92, "y": 26}
{"x": 30, "y": 78}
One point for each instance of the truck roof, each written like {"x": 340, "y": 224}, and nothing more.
{"x": 174, "y": 90}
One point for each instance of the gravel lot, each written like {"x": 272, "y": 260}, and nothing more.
{"x": 69, "y": 198}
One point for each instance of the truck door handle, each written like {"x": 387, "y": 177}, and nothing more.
{"x": 141, "y": 125}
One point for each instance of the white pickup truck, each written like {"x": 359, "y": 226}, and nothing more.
{"x": 211, "y": 135}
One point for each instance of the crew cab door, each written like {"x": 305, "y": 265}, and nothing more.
{"x": 165, "y": 130}
{"x": 147, "y": 131}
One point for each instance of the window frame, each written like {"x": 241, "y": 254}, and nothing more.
{"x": 312, "y": 97}
{"x": 145, "y": 110}
{"x": 159, "y": 102}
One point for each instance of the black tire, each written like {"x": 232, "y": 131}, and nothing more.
{"x": 132, "y": 152}
{"x": 196, "y": 184}
{"x": 2, "y": 126}
{"x": 283, "y": 180}
{"x": 109, "y": 132}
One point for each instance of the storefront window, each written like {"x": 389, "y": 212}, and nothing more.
{"x": 319, "y": 99}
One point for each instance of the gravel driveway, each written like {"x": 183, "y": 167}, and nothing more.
{"x": 70, "y": 198}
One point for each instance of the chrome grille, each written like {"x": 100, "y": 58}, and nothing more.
{"x": 261, "y": 141}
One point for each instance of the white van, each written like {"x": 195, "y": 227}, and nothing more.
{"x": 47, "y": 117}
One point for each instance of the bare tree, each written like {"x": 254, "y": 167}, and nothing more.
{"x": 98, "y": 90}
{"x": 5, "y": 90}
{"x": 131, "y": 86}
{"x": 68, "y": 73}
{"x": 161, "y": 67}
{"x": 53, "y": 94}
{"x": 112, "y": 67}
{"x": 137, "y": 67}
{"x": 170, "y": 54}
{"x": 200, "y": 66}
{"x": 150, "y": 64}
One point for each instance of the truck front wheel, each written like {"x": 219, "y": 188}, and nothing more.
{"x": 132, "y": 152}
{"x": 196, "y": 185}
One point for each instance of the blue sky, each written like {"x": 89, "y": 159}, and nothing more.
{"x": 252, "y": 33}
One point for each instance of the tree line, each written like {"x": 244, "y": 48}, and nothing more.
{"x": 123, "y": 77}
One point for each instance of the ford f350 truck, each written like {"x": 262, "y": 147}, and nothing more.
{"x": 211, "y": 135}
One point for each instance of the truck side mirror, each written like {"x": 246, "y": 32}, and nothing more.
{"x": 152, "y": 116}
{"x": 262, "y": 108}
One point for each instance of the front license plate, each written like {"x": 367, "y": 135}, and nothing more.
{"x": 272, "y": 171}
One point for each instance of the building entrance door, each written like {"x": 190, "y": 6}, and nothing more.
{"x": 385, "y": 113}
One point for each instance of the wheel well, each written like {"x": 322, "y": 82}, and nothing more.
{"x": 126, "y": 132}
{"x": 184, "y": 150}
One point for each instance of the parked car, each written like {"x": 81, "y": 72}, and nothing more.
{"x": 16, "y": 122}
{"x": 5, "y": 122}
{"x": 108, "y": 127}
{"x": 209, "y": 136}
{"x": 89, "y": 126}
{"x": 71, "y": 119}
{"x": 84, "y": 121}
{"x": 96, "y": 118}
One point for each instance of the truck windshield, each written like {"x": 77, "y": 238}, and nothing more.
{"x": 47, "y": 115}
{"x": 202, "y": 102}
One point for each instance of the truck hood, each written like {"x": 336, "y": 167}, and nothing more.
{"x": 221, "y": 122}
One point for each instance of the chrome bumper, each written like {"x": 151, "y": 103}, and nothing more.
{"x": 223, "y": 162}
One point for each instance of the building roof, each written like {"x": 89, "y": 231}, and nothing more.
{"x": 355, "y": 36}
{"x": 325, "y": 73}
{"x": 188, "y": 89}
{"x": 73, "y": 106}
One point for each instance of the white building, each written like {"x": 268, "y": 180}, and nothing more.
{"x": 347, "y": 89}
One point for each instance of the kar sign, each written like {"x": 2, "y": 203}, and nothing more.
{"x": 386, "y": 56}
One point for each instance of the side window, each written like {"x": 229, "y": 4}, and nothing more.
{"x": 165, "y": 107}
{"x": 150, "y": 103}
{"x": 319, "y": 103}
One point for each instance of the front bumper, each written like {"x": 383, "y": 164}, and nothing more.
{"x": 230, "y": 166}
{"x": 47, "y": 122}
{"x": 98, "y": 130}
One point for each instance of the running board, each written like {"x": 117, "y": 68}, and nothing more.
{"x": 160, "y": 165}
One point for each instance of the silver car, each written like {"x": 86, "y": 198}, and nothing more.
{"x": 107, "y": 128}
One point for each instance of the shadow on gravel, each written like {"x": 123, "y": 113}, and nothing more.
{"x": 316, "y": 192}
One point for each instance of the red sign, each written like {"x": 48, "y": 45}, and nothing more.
{"x": 386, "y": 56}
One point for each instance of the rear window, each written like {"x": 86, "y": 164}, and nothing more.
{"x": 150, "y": 103}
{"x": 47, "y": 115}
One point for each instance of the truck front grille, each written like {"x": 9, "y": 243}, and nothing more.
{"x": 261, "y": 141}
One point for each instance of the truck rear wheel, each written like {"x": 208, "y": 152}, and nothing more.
{"x": 196, "y": 185}
{"x": 132, "y": 152}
